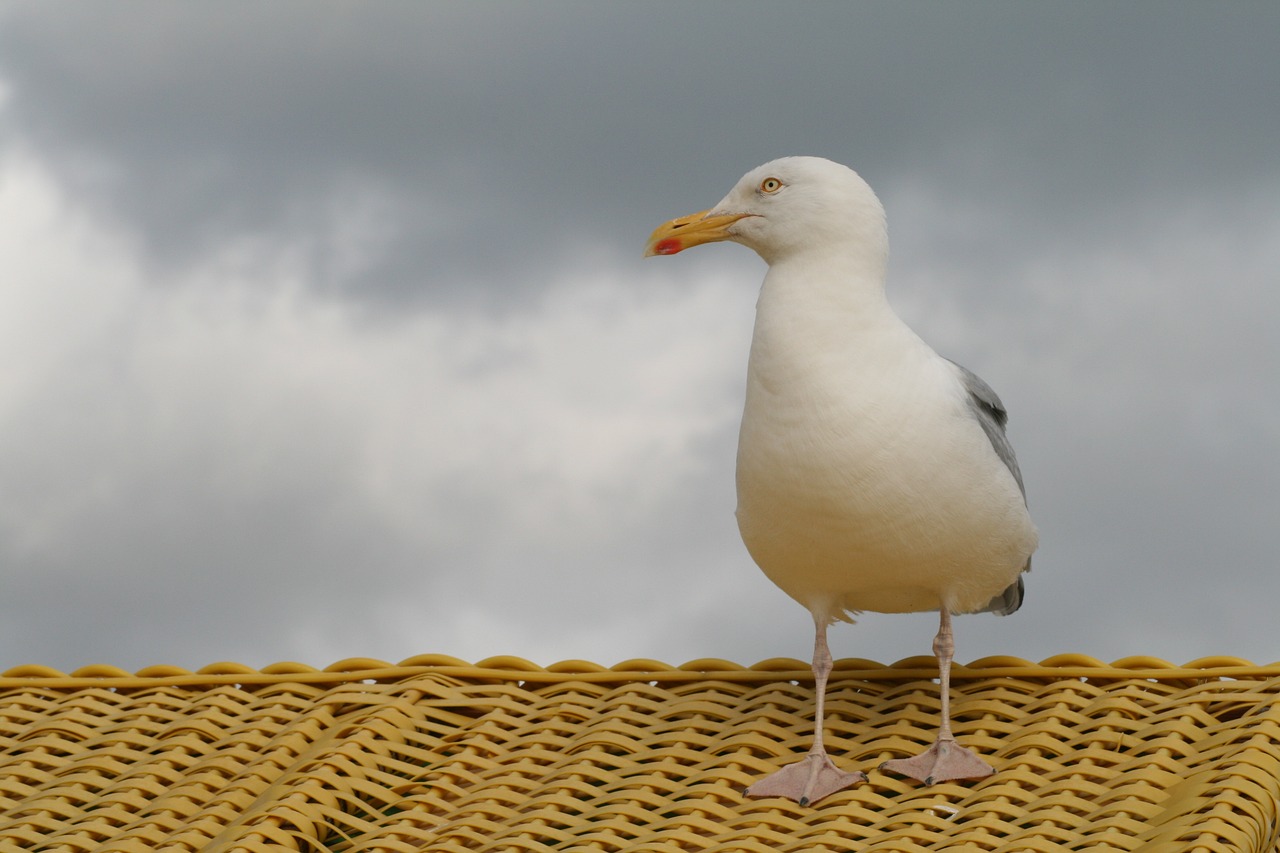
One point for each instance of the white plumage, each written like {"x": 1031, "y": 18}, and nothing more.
{"x": 873, "y": 474}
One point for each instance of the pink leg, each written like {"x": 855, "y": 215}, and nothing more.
{"x": 815, "y": 776}
{"x": 946, "y": 759}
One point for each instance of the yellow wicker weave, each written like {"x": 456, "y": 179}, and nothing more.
{"x": 435, "y": 754}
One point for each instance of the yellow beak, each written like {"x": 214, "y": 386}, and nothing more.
{"x": 692, "y": 230}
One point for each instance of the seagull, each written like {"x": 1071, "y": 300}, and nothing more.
{"x": 872, "y": 473}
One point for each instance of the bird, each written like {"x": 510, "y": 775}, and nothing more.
{"x": 872, "y": 473}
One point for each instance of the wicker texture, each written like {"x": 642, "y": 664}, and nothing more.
{"x": 435, "y": 754}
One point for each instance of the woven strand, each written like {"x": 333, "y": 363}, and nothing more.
{"x": 1139, "y": 755}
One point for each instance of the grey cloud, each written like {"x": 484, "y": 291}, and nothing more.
{"x": 536, "y": 127}
{"x": 1081, "y": 204}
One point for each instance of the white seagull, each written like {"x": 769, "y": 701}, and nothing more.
{"x": 873, "y": 474}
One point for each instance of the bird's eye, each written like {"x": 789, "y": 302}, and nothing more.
{"x": 770, "y": 185}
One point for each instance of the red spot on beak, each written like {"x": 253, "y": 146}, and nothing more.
{"x": 668, "y": 246}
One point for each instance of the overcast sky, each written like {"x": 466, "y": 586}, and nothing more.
{"x": 324, "y": 330}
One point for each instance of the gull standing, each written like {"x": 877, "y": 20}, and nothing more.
{"x": 873, "y": 474}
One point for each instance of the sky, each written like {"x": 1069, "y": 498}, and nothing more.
{"x": 325, "y": 331}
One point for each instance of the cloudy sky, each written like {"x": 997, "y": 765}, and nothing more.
{"x": 324, "y": 330}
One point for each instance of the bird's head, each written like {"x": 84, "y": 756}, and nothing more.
{"x": 787, "y": 206}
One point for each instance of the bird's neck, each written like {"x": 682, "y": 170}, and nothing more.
{"x": 839, "y": 291}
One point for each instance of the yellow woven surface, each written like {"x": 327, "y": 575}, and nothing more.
{"x": 434, "y": 754}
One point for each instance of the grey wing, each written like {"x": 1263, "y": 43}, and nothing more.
{"x": 991, "y": 415}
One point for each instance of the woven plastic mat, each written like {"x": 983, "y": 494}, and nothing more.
{"x": 436, "y": 754}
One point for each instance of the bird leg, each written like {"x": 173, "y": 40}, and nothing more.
{"x": 815, "y": 776}
{"x": 945, "y": 759}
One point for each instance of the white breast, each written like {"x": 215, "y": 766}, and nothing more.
{"x": 864, "y": 480}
